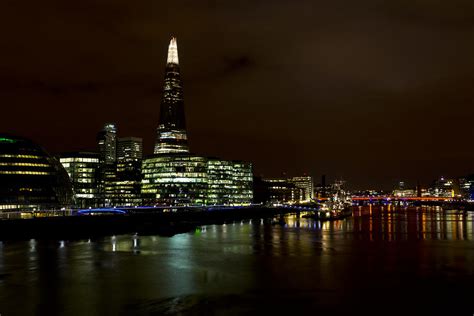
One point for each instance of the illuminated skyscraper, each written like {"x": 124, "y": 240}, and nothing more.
{"x": 171, "y": 130}
{"x": 128, "y": 174}
{"x": 174, "y": 176}
{"x": 107, "y": 142}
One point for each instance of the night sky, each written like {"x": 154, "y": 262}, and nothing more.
{"x": 370, "y": 91}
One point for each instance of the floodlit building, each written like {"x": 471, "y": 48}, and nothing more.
{"x": 31, "y": 179}
{"x": 467, "y": 186}
{"x": 107, "y": 146}
{"x": 174, "y": 176}
{"x": 402, "y": 191}
{"x": 282, "y": 191}
{"x": 107, "y": 143}
{"x": 83, "y": 170}
{"x": 193, "y": 180}
{"x": 229, "y": 182}
{"x": 171, "y": 132}
{"x": 306, "y": 184}
{"x": 174, "y": 180}
{"x": 127, "y": 181}
{"x": 443, "y": 187}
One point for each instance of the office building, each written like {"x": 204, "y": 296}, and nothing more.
{"x": 280, "y": 191}
{"x": 83, "y": 170}
{"x": 174, "y": 180}
{"x": 107, "y": 144}
{"x": 229, "y": 182}
{"x": 127, "y": 185}
{"x": 174, "y": 176}
{"x": 129, "y": 148}
{"x": 443, "y": 187}
{"x": 306, "y": 184}
{"x": 193, "y": 180}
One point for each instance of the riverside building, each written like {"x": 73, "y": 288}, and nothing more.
{"x": 31, "y": 179}
{"x": 127, "y": 185}
{"x": 83, "y": 170}
{"x": 174, "y": 176}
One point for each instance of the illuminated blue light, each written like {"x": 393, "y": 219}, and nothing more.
{"x": 101, "y": 210}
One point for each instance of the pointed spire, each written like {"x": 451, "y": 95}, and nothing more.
{"x": 173, "y": 52}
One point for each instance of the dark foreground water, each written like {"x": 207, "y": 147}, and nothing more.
{"x": 381, "y": 261}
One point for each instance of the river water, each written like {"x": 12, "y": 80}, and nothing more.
{"x": 398, "y": 261}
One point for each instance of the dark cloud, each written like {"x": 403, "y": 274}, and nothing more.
{"x": 373, "y": 91}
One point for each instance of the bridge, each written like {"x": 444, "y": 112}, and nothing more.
{"x": 408, "y": 199}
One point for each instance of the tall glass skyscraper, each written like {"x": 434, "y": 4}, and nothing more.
{"x": 128, "y": 173}
{"x": 107, "y": 142}
{"x": 173, "y": 175}
{"x": 171, "y": 131}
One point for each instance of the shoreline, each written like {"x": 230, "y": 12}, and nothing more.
{"x": 90, "y": 226}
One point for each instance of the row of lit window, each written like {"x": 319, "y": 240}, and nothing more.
{"x": 20, "y": 156}
{"x": 16, "y": 206}
{"x": 24, "y": 164}
{"x": 77, "y": 159}
{"x": 39, "y": 173}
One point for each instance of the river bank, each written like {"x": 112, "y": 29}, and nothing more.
{"x": 90, "y": 226}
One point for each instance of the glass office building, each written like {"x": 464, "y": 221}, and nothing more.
{"x": 107, "y": 143}
{"x": 306, "y": 184}
{"x": 83, "y": 170}
{"x": 129, "y": 148}
{"x": 229, "y": 182}
{"x": 31, "y": 179}
{"x": 194, "y": 180}
{"x": 173, "y": 176}
{"x": 174, "y": 180}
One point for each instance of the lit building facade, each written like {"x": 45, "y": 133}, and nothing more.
{"x": 171, "y": 132}
{"x": 173, "y": 176}
{"x": 183, "y": 180}
{"x": 31, "y": 179}
{"x": 83, "y": 170}
{"x": 174, "y": 180}
{"x": 443, "y": 187}
{"x": 305, "y": 183}
{"x": 127, "y": 185}
{"x": 107, "y": 146}
{"x": 107, "y": 143}
{"x": 229, "y": 182}
{"x": 402, "y": 191}
{"x": 282, "y": 191}
{"x": 129, "y": 148}
{"x": 467, "y": 187}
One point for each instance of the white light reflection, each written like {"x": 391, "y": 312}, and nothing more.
{"x": 32, "y": 245}
{"x": 114, "y": 243}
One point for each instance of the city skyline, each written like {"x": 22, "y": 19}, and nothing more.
{"x": 236, "y": 157}
{"x": 333, "y": 97}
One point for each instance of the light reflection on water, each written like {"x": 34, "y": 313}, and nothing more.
{"x": 423, "y": 254}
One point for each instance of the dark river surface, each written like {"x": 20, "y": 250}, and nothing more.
{"x": 401, "y": 261}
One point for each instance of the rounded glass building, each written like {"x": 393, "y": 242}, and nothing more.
{"x": 31, "y": 179}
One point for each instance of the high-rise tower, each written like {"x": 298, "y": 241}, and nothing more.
{"x": 107, "y": 142}
{"x": 171, "y": 130}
